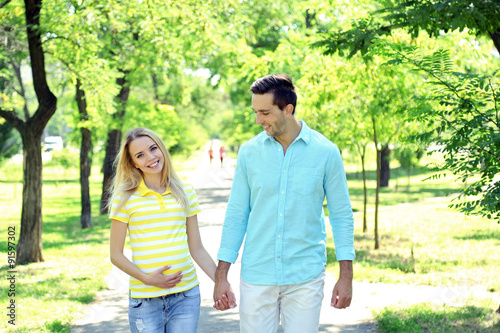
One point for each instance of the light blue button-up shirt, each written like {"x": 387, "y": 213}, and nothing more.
{"x": 277, "y": 202}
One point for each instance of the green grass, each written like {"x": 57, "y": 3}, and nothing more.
{"x": 400, "y": 189}
{"x": 472, "y": 316}
{"x": 51, "y": 294}
{"x": 428, "y": 243}
{"x": 422, "y": 242}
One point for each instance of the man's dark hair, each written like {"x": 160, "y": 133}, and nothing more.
{"x": 280, "y": 85}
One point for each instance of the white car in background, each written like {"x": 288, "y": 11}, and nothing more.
{"x": 51, "y": 143}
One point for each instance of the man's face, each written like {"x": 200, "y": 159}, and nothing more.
{"x": 268, "y": 115}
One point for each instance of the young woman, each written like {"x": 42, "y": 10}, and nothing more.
{"x": 160, "y": 213}
{"x": 222, "y": 154}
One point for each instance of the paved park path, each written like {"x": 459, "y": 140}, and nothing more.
{"x": 108, "y": 313}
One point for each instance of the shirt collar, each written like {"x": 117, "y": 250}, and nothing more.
{"x": 304, "y": 134}
{"x": 144, "y": 190}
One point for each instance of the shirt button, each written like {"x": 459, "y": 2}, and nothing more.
{"x": 284, "y": 171}
{"x": 281, "y": 214}
{"x": 282, "y": 192}
{"x": 279, "y": 236}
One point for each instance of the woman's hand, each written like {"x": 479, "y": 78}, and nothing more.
{"x": 158, "y": 279}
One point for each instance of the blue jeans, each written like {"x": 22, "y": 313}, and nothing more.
{"x": 174, "y": 313}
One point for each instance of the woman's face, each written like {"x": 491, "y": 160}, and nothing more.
{"x": 146, "y": 156}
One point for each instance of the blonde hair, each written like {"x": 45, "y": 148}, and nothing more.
{"x": 128, "y": 177}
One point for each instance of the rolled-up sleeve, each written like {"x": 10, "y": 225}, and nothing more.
{"x": 237, "y": 213}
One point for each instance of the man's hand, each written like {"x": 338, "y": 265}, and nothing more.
{"x": 224, "y": 298}
{"x": 342, "y": 292}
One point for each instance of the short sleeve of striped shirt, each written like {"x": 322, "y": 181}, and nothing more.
{"x": 194, "y": 207}
{"x": 121, "y": 214}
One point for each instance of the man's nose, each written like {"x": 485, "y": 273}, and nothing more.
{"x": 258, "y": 119}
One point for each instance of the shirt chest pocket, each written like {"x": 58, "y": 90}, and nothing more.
{"x": 306, "y": 181}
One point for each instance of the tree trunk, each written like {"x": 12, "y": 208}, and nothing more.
{"x": 377, "y": 196}
{"x": 377, "y": 189}
{"x": 495, "y": 36}
{"x": 385, "y": 170}
{"x": 30, "y": 245}
{"x": 113, "y": 142}
{"x": 112, "y": 147}
{"x": 85, "y": 159}
{"x": 310, "y": 18}
{"x": 85, "y": 165}
{"x": 365, "y": 190}
{"x": 409, "y": 175}
{"x": 154, "y": 78}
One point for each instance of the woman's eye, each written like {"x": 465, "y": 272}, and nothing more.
{"x": 154, "y": 148}
{"x": 140, "y": 155}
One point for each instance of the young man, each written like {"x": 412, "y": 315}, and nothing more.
{"x": 281, "y": 179}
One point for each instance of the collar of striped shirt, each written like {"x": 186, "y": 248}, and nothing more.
{"x": 144, "y": 190}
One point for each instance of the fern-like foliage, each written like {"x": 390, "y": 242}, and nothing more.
{"x": 461, "y": 114}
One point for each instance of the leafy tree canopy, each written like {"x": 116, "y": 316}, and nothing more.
{"x": 478, "y": 17}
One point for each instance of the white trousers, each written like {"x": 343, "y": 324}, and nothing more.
{"x": 297, "y": 305}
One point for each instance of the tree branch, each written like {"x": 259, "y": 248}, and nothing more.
{"x": 47, "y": 101}
{"x": 494, "y": 99}
{"x": 22, "y": 93}
{"x": 5, "y": 3}
{"x": 13, "y": 119}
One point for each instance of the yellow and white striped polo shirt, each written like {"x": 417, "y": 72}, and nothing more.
{"x": 157, "y": 231}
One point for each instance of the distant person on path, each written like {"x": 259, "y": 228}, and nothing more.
{"x": 160, "y": 213}
{"x": 281, "y": 179}
{"x": 222, "y": 154}
{"x": 211, "y": 154}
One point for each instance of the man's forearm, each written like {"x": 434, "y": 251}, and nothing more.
{"x": 345, "y": 269}
{"x": 222, "y": 271}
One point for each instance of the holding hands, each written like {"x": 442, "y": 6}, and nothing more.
{"x": 224, "y": 298}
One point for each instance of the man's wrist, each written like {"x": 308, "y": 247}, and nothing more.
{"x": 345, "y": 269}
{"x": 222, "y": 271}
